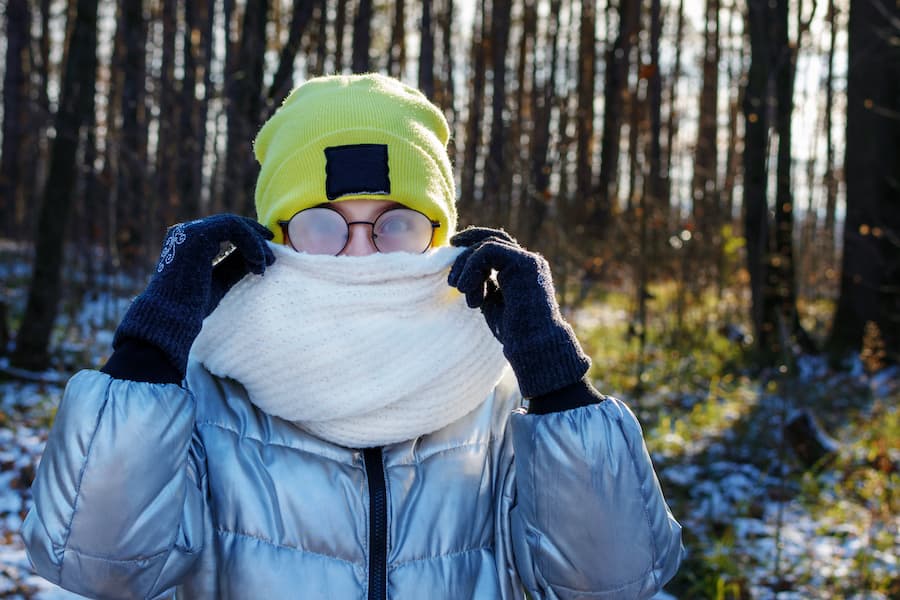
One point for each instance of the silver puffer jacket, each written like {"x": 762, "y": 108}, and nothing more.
{"x": 148, "y": 487}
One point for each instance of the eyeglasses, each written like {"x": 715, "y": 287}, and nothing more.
{"x": 322, "y": 230}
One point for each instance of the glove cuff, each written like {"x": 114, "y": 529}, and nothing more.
{"x": 136, "y": 360}
{"x": 161, "y": 323}
{"x": 549, "y": 363}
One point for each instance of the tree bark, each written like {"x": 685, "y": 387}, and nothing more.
{"x": 76, "y": 110}
{"x": 756, "y": 209}
{"x": 831, "y": 182}
{"x": 705, "y": 183}
{"x": 672, "y": 119}
{"x": 475, "y": 116}
{"x": 397, "y": 51}
{"x": 733, "y": 155}
{"x": 168, "y": 204}
{"x": 15, "y": 112}
{"x": 340, "y": 22}
{"x": 656, "y": 224}
{"x": 362, "y": 36}
{"x": 283, "y": 80}
{"x": 132, "y": 206}
{"x": 447, "y": 97}
{"x": 614, "y": 89}
{"x": 782, "y": 267}
{"x": 544, "y": 100}
{"x": 584, "y": 173}
{"x": 870, "y": 278}
{"x": 321, "y": 18}
{"x": 496, "y": 188}
{"x": 193, "y": 115}
{"x": 426, "y": 51}
{"x": 246, "y": 107}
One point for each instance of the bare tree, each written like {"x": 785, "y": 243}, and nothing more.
{"x": 496, "y": 187}
{"x": 396, "y": 59}
{"x": 614, "y": 89}
{"x": 831, "y": 179}
{"x": 870, "y": 278}
{"x": 476, "y": 110}
{"x": 340, "y": 23}
{"x": 76, "y": 111}
{"x": 585, "y": 115}
{"x": 245, "y": 106}
{"x": 15, "y": 111}
{"x": 283, "y": 80}
{"x": 705, "y": 181}
{"x": 544, "y": 98}
{"x": 362, "y": 36}
{"x": 131, "y": 185}
{"x": 426, "y": 51}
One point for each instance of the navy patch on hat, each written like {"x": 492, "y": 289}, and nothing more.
{"x": 356, "y": 169}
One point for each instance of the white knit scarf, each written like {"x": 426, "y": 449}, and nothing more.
{"x": 360, "y": 351}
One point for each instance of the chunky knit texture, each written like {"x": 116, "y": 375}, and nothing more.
{"x": 360, "y": 351}
{"x": 346, "y": 112}
{"x": 185, "y": 288}
{"x": 521, "y": 311}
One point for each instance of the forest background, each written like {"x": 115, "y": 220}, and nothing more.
{"x": 715, "y": 183}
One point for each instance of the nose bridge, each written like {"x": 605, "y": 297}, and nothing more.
{"x": 360, "y": 241}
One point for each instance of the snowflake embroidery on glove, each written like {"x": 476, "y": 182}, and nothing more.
{"x": 176, "y": 237}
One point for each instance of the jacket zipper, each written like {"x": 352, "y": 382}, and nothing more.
{"x": 377, "y": 523}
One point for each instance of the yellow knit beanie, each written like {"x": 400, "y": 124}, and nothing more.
{"x": 347, "y": 137}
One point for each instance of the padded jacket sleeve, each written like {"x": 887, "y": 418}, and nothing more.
{"x": 118, "y": 501}
{"x": 589, "y": 519}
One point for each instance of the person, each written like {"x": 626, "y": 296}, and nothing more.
{"x": 352, "y": 400}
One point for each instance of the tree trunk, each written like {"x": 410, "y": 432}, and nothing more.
{"x": 283, "y": 81}
{"x": 543, "y": 102}
{"x": 15, "y": 111}
{"x": 870, "y": 278}
{"x": 733, "y": 155}
{"x": 705, "y": 183}
{"x": 475, "y": 116}
{"x": 426, "y": 51}
{"x": 544, "y": 99}
{"x": 321, "y": 18}
{"x": 362, "y": 36}
{"x": 831, "y": 181}
{"x": 523, "y": 123}
{"x": 340, "y": 24}
{"x": 132, "y": 206}
{"x": 396, "y": 59}
{"x": 447, "y": 97}
{"x": 246, "y": 104}
{"x": 657, "y": 182}
{"x": 614, "y": 89}
{"x": 169, "y": 107}
{"x": 192, "y": 116}
{"x": 782, "y": 267}
{"x": 584, "y": 154}
{"x": 76, "y": 110}
{"x": 672, "y": 126}
{"x": 496, "y": 189}
{"x": 756, "y": 209}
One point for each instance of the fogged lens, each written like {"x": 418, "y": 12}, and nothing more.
{"x": 318, "y": 231}
{"x": 402, "y": 230}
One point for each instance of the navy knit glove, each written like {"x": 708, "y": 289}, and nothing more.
{"x": 522, "y": 312}
{"x": 186, "y": 287}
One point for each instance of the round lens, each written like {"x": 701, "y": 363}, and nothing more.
{"x": 402, "y": 230}
{"x": 318, "y": 231}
